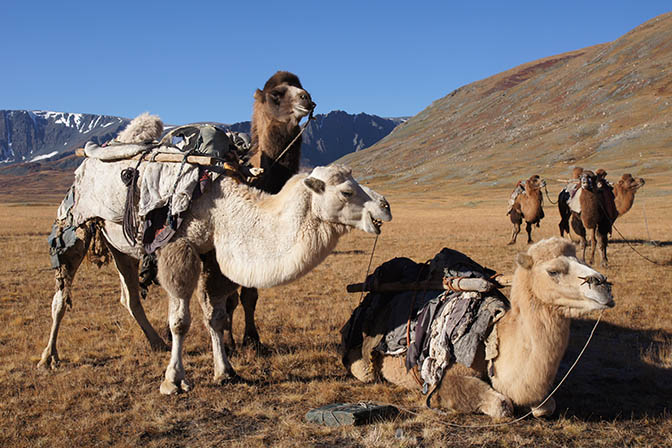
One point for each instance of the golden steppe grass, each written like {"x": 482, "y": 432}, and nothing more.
{"x": 106, "y": 390}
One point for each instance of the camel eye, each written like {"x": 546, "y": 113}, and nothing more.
{"x": 553, "y": 273}
{"x": 347, "y": 193}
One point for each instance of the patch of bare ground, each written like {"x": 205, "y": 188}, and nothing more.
{"x": 106, "y": 390}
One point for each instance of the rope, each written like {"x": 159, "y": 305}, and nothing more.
{"x": 548, "y": 197}
{"x": 129, "y": 177}
{"x": 519, "y": 419}
{"x": 303, "y": 128}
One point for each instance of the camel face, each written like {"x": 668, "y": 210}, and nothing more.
{"x": 338, "y": 197}
{"x": 627, "y": 182}
{"x": 284, "y": 99}
{"x": 559, "y": 279}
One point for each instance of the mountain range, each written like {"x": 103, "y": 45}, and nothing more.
{"x": 608, "y": 106}
{"x": 32, "y": 140}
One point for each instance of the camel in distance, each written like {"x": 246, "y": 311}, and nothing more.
{"x": 526, "y": 203}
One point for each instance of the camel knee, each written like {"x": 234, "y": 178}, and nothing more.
{"x": 179, "y": 268}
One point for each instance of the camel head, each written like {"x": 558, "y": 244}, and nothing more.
{"x": 535, "y": 183}
{"x": 629, "y": 183}
{"x": 558, "y": 279}
{"x": 283, "y": 99}
{"x": 588, "y": 180}
{"x": 338, "y": 198}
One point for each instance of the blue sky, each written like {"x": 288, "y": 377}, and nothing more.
{"x": 202, "y": 61}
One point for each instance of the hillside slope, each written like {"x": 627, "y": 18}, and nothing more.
{"x": 609, "y": 106}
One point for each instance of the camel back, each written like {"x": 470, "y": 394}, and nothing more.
{"x": 147, "y": 196}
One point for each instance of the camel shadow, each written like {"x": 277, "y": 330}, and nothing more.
{"x": 641, "y": 241}
{"x": 624, "y": 373}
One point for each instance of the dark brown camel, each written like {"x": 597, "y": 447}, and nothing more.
{"x": 596, "y": 207}
{"x": 563, "y": 201}
{"x": 277, "y": 111}
{"x": 528, "y": 205}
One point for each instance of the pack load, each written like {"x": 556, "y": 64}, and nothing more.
{"x": 149, "y": 199}
{"x": 436, "y": 312}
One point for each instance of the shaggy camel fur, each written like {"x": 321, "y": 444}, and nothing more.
{"x": 528, "y": 206}
{"x": 550, "y": 286}
{"x": 624, "y": 192}
{"x": 277, "y": 111}
{"x": 597, "y": 215}
{"x": 257, "y": 240}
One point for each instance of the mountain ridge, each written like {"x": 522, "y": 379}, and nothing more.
{"x": 608, "y": 105}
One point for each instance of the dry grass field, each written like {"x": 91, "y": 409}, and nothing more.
{"x": 106, "y": 390}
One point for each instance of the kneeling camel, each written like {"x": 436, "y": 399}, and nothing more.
{"x": 550, "y": 286}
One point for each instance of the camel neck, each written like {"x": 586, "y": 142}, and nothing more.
{"x": 274, "y": 238}
{"x": 533, "y": 338}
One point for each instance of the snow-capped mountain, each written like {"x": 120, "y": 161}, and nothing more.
{"x": 38, "y": 135}
{"x": 44, "y": 136}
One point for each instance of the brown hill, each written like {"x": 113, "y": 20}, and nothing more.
{"x": 606, "y": 106}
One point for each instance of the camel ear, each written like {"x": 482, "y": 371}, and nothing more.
{"x": 315, "y": 184}
{"x": 524, "y": 261}
{"x": 259, "y": 96}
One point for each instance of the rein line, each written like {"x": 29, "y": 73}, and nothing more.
{"x": 303, "y": 128}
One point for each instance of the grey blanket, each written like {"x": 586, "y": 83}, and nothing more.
{"x": 384, "y": 316}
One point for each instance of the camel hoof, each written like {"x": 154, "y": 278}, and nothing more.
{"x": 229, "y": 378}
{"x": 499, "y": 408}
{"x": 254, "y": 342}
{"x": 546, "y": 410}
{"x": 170, "y": 388}
{"x": 48, "y": 361}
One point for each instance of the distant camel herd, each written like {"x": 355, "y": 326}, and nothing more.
{"x": 273, "y": 229}
{"x": 589, "y": 200}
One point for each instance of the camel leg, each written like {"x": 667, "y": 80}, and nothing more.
{"x": 514, "y": 235}
{"x": 468, "y": 394}
{"x": 130, "y": 297}
{"x": 215, "y": 318}
{"x": 248, "y": 298}
{"x": 580, "y": 230}
{"x": 179, "y": 269}
{"x": 602, "y": 241}
{"x": 214, "y": 287}
{"x": 528, "y": 228}
{"x": 65, "y": 274}
{"x": 593, "y": 244}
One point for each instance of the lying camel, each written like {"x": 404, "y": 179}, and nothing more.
{"x": 550, "y": 286}
{"x": 528, "y": 205}
{"x": 257, "y": 240}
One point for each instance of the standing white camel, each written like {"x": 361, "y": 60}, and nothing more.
{"x": 259, "y": 240}
{"x": 550, "y": 286}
